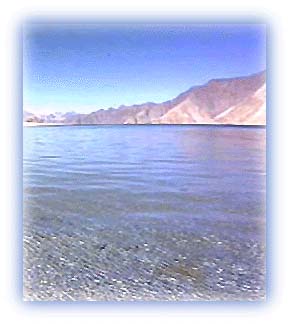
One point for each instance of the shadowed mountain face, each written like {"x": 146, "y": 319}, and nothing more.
{"x": 240, "y": 101}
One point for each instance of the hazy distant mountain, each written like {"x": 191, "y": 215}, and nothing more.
{"x": 30, "y": 117}
{"x": 240, "y": 101}
{"x": 52, "y": 118}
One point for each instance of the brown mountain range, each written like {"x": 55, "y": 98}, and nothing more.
{"x": 239, "y": 101}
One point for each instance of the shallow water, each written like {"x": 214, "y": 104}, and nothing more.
{"x": 144, "y": 213}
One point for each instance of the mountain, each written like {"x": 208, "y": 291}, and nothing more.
{"x": 239, "y": 101}
{"x": 52, "y": 118}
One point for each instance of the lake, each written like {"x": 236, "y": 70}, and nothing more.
{"x": 146, "y": 212}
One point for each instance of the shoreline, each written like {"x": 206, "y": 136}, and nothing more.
{"x": 32, "y": 124}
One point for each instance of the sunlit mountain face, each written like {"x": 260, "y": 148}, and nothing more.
{"x": 240, "y": 101}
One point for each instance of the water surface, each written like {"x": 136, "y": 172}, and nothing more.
{"x": 144, "y": 213}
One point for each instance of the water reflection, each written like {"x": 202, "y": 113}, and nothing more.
{"x": 179, "y": 207}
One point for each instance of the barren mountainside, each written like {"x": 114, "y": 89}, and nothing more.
{"x": 239, "y": 101}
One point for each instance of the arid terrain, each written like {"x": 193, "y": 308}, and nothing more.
{"x": 237, "y": 101}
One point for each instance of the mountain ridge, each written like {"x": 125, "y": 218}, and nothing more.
{"x": 238, "y": 101}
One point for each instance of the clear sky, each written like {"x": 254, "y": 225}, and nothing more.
{"x": 84, "y": 68}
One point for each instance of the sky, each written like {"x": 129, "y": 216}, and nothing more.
{"x": 86, "y": 67}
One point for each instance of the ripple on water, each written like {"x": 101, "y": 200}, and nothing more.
{"x": 164, "y": 213}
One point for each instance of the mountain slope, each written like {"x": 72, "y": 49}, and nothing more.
{"x": 227, "y": 101}
{"x": 240, "y": 101}
{"x": 252, "y": 110}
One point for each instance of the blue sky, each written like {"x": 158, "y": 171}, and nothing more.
{"x": 86, "y": 67}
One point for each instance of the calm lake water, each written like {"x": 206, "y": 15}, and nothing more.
{"x": 144, "y": 213}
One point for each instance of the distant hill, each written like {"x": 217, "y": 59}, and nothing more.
{"x": 239, "y": 101}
